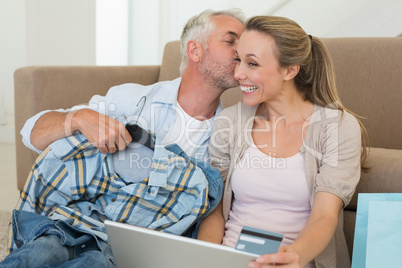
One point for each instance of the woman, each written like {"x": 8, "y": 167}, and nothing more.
{"x": 290, "y": 154}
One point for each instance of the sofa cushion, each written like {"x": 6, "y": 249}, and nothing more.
{"x": 384, "y": 175}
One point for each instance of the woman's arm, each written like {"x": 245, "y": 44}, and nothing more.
{"x": 335, "y": 184}
{"x": 212, "y": 228}
{"x": 313, "y": 238}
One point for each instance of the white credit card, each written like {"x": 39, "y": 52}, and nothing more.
{"x": 258, "y": 241}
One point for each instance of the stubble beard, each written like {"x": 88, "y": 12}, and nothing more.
{"x": 219, "y": 75}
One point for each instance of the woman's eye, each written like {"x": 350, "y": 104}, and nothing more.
{"x": 252, "y": 64}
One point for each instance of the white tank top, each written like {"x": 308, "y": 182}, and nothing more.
{"x": 269, "y": 193}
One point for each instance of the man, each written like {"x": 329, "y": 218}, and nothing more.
{"x": 76, "y": 196}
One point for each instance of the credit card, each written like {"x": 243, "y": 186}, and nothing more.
{"x": 258, "y": 241}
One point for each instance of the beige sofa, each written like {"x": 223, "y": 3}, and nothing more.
{"x": 369, "y": 77}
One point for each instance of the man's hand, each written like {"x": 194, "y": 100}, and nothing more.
{"x": 104, "y": 132}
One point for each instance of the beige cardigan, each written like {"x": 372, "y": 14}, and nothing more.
{"x": 331, "y": 152}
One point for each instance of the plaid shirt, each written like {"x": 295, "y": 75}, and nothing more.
{"x": 71, "y": 179}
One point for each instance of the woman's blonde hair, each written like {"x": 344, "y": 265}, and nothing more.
{"x": 316, "y": 78}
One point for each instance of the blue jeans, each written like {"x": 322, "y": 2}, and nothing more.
{"x": 43, "y": 242}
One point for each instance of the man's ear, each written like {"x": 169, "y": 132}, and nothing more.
{"x": 194, "y": 51}
{"x": 291, "y": 72}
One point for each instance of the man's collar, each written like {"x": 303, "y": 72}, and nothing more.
{"x": 174, "y": 86}
{"x": 220, "y": 108}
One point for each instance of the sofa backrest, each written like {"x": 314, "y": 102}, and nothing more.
{"x": 39, "y": 88}
{"x": 170, "y": 62}
{"x": 369, "y": 79}
{"x": 368, "y": 70}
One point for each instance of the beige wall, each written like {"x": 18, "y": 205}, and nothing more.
{"x": 323, "y": 18}
{"x": 12, "y": 55}
{"x": 60, "y": 32}
{"x": 41, "y": 32}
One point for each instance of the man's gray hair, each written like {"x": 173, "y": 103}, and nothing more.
{"x": 200, "y": 27}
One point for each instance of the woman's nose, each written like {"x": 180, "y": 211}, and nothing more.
{"x": 239, "y": 74}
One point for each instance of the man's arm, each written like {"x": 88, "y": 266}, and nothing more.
{"x": 106, "y": 133}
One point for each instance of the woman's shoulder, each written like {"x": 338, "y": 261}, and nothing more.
{"x": 329, "y": 114}
{"x": 327, "y": 117}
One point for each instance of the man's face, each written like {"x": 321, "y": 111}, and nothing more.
{"x": 218, "y": 63}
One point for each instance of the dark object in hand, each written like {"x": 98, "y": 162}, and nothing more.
{"x": 140, "y": 136}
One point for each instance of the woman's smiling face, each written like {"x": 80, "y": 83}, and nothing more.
{"x": 258, "y": 71}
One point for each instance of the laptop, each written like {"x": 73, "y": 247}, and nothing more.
{"x": 134, "y": 246}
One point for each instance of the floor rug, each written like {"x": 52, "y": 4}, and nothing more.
{"x": 5, "y": 217}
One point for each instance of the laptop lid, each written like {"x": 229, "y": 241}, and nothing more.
{"x": 134, "y": 246}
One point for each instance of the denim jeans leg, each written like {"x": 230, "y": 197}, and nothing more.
{"x": 37, "y": 253}
{"x": 47, "y": 252}
{"x": 88, "y": 259}
{"x": 88, "y": 255}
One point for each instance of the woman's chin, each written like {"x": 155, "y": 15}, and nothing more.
{"x": 249, "y": 102}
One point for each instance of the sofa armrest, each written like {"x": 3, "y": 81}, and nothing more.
{"x": 39, "y": 88}
{"x": 384, "y": 175}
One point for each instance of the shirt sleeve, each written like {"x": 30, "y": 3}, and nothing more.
{"x": 30, "y": 123}
{"x": 340, "y": 168}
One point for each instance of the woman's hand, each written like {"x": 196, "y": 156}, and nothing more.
{"x": 312, "y": 239}
{"x": 285, "y": 257}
